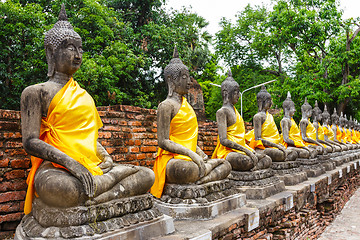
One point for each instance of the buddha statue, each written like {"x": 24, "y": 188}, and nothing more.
{"x": 336, "y": 129}
{"x": 231, "y": 143}
{"x": 354, "y": 136}
{"x": 265, "y": 137}
{"x": 348, "y": 131}
{"x": 344, "y": 135}
{"x": 320, "y": 136}
{"x": 328, "y": 132}
{"x": 60, "y": 125}
{"x": 179, "y": 160}
{"x": 307, "y": 129}
{"x": 291, "y": 137}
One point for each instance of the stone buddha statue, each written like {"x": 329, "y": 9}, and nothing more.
{"x": 265, "y": 137}
{"x": 307, "y": 129}
{"x": 336, "y": 129}
{"x": 328, "y": 131}
{"x": 320, "y": 135}
{"x": 291, "y": 137}
{"x": 231, "y": 143}
{"x": 179, "y": 160}
{"x": 344, "y": 135}
{"x": 348, "y": 131}
{"x": 354, "y": 137}
{"x": 60, "y": 125}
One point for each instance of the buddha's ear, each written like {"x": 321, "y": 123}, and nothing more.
{"x": 50, "y": 58}
{"x": 171, "y": 86}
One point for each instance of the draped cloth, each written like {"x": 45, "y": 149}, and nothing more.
{"x": 269, "y": 132}
{"x": 348, "y": 135}
{"x": 310, "y": 133}
{"x": 71, "y": 125}
{"x": 294, "y": 134}
{"x": 235, "y": 133}
{"x": 328, "y": 132}
{"x": 184, "y": 131}
{"x": 355, "y": 137}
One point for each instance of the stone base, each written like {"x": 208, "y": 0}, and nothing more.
{"x": 289, "y": 172}
{"x": 311, "y": 166}
{"x": 258, "y": 184}
{"x": 338, "y": 160}
{"x": 201, "y": 211}
{"x": 86, "y": 222}
{"x": 145, "y": 230}
{"x": 193, "y": 193}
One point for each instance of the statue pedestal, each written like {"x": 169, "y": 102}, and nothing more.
{"x": 124, "y": 217}
{"x": 311, "y": 166}
{"x": 326, "y": 162}
{"x": 258, "y": 184}
{"x": 289, "y": 172}
{"x": 204, "y": 201}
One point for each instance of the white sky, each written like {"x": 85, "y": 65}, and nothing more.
{"x": 214, "y": 10}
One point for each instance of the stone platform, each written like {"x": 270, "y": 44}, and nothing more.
{"x": 257, "y": 184}
{"x": 311, "y": 166}
{"x": 132, "y": 215}
{"x": 326, "y": 162}
{"x": 289, "y": 172}
{"x": 204, "y": 201}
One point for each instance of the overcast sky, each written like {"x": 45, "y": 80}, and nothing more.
{"x": 214, "y": 10}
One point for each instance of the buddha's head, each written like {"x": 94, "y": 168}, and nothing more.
{"x": 263, "y": 99}
{"x": 289, "y": 106}
{"x": 230, "y": 90}
{"x": 177, "y": 76}
{"x": 317, "y": 112}
{"x": 346, "y": 122}
{"x": 63, "y": 47}
{"x": 342, "y": 120}
{"x": 306, "y": 109}
{"x": 326, "y": 116}
{"x": 335, "y": 117}
{"x": 351, "y": 123}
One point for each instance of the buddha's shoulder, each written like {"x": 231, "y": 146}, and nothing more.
{"x": 40, "y": 90}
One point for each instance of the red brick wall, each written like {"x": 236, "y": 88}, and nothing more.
{"x": 129, "y": 134}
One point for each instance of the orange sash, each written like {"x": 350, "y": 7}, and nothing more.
{"x": 71, "y": 126}
{"x": 184, "y": 131}
{"x": 294, "y": 134}
{"x": 235, "y": 133}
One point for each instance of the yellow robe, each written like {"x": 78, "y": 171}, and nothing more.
{"x": 338, "y": 134}
{"x": 235, "y": 133}
{"x": 184, "y": 131}
{"x": 310, "y": 133}
{"x": 71, "y": 126}
{"x": 294, "y": 134}
{"x": 269, "y": 132}
{"x": 348, "y": 135}
{"x": 355, "y": 137}
{"x": 329, "y": 133}
{"x": 344, "y": 136}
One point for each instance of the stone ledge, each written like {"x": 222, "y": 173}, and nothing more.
{"x": 293, "y": 199}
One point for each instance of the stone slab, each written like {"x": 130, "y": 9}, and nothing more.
{"x": 293, "y": 179}
{"x": 262, "y": 192}
{"x": 201, "y": 211}
{"x": 145, "y": 230}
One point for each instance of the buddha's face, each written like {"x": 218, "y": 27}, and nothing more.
{"x": 308, "y": 112}
{"x": 234, "y": 95}
{"x": 318, "y": 116}
{"x": 267, "y": 103}
{"x": 292, "y": 109}
{"x": 335, "y": 120}
{"x": 68, "y": 56}
{"x": 182, "y": 85}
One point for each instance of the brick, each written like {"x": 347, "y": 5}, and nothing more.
{"x": 9, "y": 114}
{"x": 148, "y": 149}
{"x": 134, "y": 123}
{"x": 112, "y": 128}
{"x": 140, "y": 129}
{"x": 20, "y": 163}
{"x": 123, "y": 123}
{"x": 137, "y": 142}
{"x": 130, "y": 157}
{"x": 11, "y": 217}
{"x": 151, "y": 142}
{"x": 12, "y": 196}
{"x": 4, "y": 162}
{"x": 16, "y": 152}
{"x": 104, "y": 134}
{"x": 9, "y": 126}
{"x": 129, "y": 142}
{"x": 13, "y": 185}
{"x": 134, "y": 149}
{"x": 10, "y": 207}
{"x": 126, "y": 129}
{"x": 140, "y": 156}
{"x": 14, "y": 174}
{"x": 11, "y": 135}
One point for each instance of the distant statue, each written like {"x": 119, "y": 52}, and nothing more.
{"x": 179, "y": 160}
{"x": 329, "y": 134}
{"x": 60, "y": 126}
{"x": 308, "y": 131}
{"x": 292, "y": 139}
{"x": 320, "y": 135}
{"x": 231, "y": 129}
{"x": 265, "y": 137}
{"x": 336, "y": 129}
